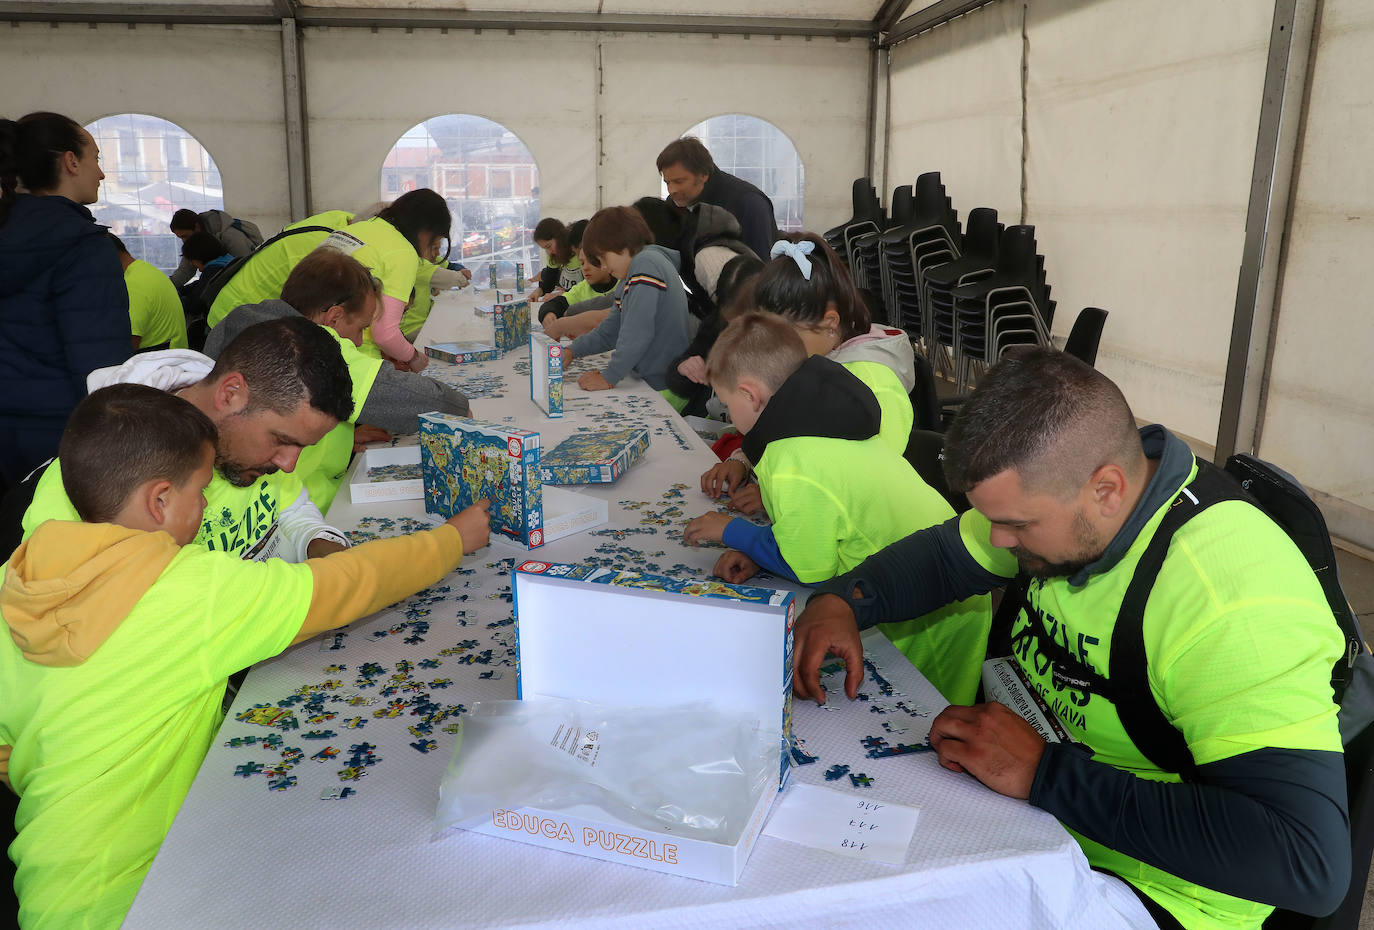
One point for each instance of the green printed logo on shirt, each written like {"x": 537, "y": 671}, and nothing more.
{"x": 238, "y": 520}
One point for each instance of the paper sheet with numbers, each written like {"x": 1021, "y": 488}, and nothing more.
{"x": 839, "y": 822}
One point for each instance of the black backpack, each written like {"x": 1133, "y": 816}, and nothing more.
{"x": 1284, "y": 501}
{"x": 198, "y": 302}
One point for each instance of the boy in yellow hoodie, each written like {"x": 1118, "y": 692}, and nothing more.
{"x": 122, "y": 635}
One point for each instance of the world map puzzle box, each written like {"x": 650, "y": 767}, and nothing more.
{"x": 546, "y": 374}
{"x": 464, "y": 460}
{"x": 594, "y": 458}
{"x": 512, "y": 321}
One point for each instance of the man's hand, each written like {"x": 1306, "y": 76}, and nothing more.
{"x": 693, "y": 368}
{"x": 990, "y": 742}
{"x": 466, "y": 272}
{"x": 748, "y": 499}
{"x": 827, "y": 625}
{"x": 592, "y": 380}
{"x": 474, "y": 525}
{"x": 418, "y": 361}
{"x": 709, "y": 527}
{"x": 319, "y": 548}
{"x": 735, "y": 567}
{"x": 726, "y": 475}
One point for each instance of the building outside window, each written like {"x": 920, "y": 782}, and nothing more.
{"x": 152, "y": 169}
{"x": 487, "y": 176}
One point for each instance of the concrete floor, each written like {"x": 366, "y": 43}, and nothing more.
{"x": 1357, "y": 578}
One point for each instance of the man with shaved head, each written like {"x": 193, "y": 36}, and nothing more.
{"x": 1236, "y": 638}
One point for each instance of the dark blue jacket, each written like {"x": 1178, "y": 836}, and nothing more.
{"x": 64, "y": 310}
{"x": 751, "y": 206}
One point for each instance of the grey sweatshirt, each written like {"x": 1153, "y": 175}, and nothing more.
{"x": 649, "y": 326}
{"x": 397, "y": 398}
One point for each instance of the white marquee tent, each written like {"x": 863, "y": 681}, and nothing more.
{"x": 1196, "y": 167}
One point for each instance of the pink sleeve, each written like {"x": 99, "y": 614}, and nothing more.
{"x": 386, "y": 330}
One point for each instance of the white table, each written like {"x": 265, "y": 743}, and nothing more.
{"x": 243, "y": 855}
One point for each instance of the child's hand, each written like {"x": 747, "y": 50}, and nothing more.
{"x": 474, "y": 525}
{"x": 553, "y": 328}
{"x": 418, "y": 361}
{"x": 747, "y": 499}
{"x": 592, "y": 380}
{"x": 709, "y": 527}
{"x": 694, "y": 369}
{"x": 735, "y": 567}
{"x": 720, "y": 478}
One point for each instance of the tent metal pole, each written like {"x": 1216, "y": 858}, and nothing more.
{"x": 1276, "y": 145}
{"x": 297, "y": 167}
{"x": 270, "y": 13}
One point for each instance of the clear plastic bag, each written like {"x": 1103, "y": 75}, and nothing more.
{"x": 691, "y": 770}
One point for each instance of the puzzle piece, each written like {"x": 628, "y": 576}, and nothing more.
{"x": 425, "y": 745}
{"x": 325, "y": 754}
{"x": 337, "y": 794}
{"x": 282, "y": 783}
{"x": 247, "y": 769}
{"x": 836, "y": 772}
{"x": 861, "y": 780}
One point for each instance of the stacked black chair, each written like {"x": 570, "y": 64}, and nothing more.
{"x": 1086, "y": 334}
{"x": 978, "y": 258}
{"x": 1009, "y": 307}
{"x": 929, "y": 237}
{"x": 866, "y": 255}
{"x": 868, "y": 217}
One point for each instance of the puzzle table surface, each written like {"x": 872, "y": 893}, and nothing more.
{"x": 315, "y": 805}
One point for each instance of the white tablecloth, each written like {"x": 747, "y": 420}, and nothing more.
{"x": 241, "y": 854}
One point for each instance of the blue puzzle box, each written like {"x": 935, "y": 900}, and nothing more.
{"x": 594, "y": 458}
{"x": 460, "y": 352}
{"x": 464, "y": 460}
{"x": 512, "y": 322}
{"x": 546, "y": 374}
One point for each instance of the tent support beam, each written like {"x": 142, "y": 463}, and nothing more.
{"x": 297, "y": 165}
{"x": 937, "y": 14}
{"x": 271, "y": 13}
{"x": 888, "y": 14}
{"x": 1250, "y": 358}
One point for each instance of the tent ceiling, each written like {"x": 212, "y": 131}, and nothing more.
{"x": 853, "y": 18}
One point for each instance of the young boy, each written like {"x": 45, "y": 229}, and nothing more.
{"x": 836, "y": 491}
{"x": 121, "y": 635}
{"x": 648, "y": 327}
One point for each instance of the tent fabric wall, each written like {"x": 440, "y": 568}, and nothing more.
{"x": 222, "y": 84}
{"x": 815, "y": 91}
{"x": 955, "y": 107}
{"x": 364, "y": 89}
{"x": 360, "y": 99}
{"x": 1318, "y": 396}
{"x": 1141, "y": 138}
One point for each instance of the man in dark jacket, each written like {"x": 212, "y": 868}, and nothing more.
{"x": 692, "y": 177}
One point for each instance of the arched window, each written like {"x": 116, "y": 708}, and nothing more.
{"x": 152, "y": 169}
{"x": 760, "y": 153}
{"x": 488, "y": 177}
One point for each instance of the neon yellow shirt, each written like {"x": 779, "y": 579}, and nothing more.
{"x": 419, "y": 308}
{"x": 895, "y": 403}
{"x": 322, "y": 465}
{"x": 1240, "y": 643}
{"x": 389, "y": 255}
{"x": 241, "y": 521}
{"x": 105, "y": 751}
{"x": 262, "y": 276}
{"x": 826, "y": 523}
{"x": 155, "y": 313}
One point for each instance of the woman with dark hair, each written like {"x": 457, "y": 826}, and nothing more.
{"x": 391, "y": 245}
{"x": 64, "y": 310}
{"x": 563, "y": 268}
